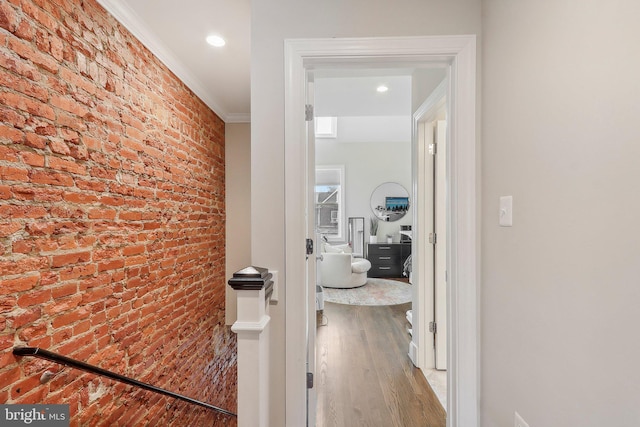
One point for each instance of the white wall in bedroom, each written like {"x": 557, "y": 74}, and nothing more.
{"x": 368, "y": 165}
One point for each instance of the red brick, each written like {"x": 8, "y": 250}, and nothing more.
{"x": 8, "y": 153}
{"x": 66, "y": 211}
{"x": 8, "y": 228}
{"x": 59, "y": 147}
{"x": 10, "y": 376}
{"x": 32, "y": 332}
{"x": 78, "y": 271}
{"x": 91, "y": 185}
{"x": 51, "y": 178}
{"x": 26, "y": 50}
{"x": 133, "y": 250}
{"x": 71, "y": 258}
{"x": 68, "y": 105}
{"x": 66, "y": 165}
{"x": 73, "y": 346}
{"x": 5, "y": 193}
{"x": 64, "y": 290}
{"x": 22, "y": 246}
{"x": 20, "y": 284}
{"x": 9, "y": 173}
{"x": 8, "y": 18}
{"x": 7, "y": 304}
{"x": 46, "y": 194}
{"x": 6, "y": 341}
{"x": 62, "y": 305}
{"x": 135, "y": 260}
{"x": 15, "y": 211}
{"x": 28, "y": 316}
{"x": 32, "y": 159}
{"x": 36, "y": 396}
{"x": 35, "y": 141}
{"x": 81, "y": 327}
{"x": 113, "y": 201}
{"x": 24, "y": 86}
{"x": 24, "y": 103}
{"x": 102, "y": 214}
{"x": 78, "y": 152}
{"x": 70, "y": 317}
{"x": 80, "y": 198}
{"x": 34, "y": 298}
{"x": 130, "y": 216}
{"x": 111, "y": 265}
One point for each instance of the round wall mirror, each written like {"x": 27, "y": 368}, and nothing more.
{"x": 390, "y": 201}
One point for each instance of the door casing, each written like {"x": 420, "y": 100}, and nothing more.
{"x": 463, "y": 253}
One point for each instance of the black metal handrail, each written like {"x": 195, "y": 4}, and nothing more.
{"x": 58, "y": 358}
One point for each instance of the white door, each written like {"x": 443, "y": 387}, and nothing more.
{"x": 311, "y": 257}
{"x": 440, "y": 255}
{"x": 424, "y": 252}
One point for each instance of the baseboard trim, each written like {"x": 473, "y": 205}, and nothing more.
{"x": 413, "y": 353}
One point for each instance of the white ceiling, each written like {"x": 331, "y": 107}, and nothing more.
{"x": 175, "y": 32}
{"x": 356, "y": 95}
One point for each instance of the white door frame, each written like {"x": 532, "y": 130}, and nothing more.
{"x": 463, "y": 352}
{"x": 423, "y": 356}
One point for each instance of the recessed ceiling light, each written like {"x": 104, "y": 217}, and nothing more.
{"x": 216, "y": 41}
{"x": 382, "y": 88}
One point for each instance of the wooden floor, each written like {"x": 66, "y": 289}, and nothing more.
{"x": 364, "y": 376}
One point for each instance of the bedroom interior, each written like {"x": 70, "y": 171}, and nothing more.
{"x": 373, "y": 152}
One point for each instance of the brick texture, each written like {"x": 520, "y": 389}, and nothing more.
{"x": 111, "y": 222}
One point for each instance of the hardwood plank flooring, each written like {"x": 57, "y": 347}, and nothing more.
{"x": 364, "y": 376}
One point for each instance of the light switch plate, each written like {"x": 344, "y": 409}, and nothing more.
{"x": 506, "y": 211}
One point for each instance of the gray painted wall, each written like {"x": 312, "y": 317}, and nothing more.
{"x": 238, "y": 206}
{"x": 272, "y": 23}
{"x": 560, "y": 131}
{"x": 561, "y": 288}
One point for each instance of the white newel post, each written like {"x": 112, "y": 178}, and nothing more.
{"x": 254, "y": 288}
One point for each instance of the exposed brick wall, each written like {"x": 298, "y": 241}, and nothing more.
{"x": 111, "y": 221}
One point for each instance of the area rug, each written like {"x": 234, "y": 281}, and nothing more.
{"x": 375, "y": 292}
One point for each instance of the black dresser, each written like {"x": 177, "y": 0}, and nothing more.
{"x": 387, "y": 259}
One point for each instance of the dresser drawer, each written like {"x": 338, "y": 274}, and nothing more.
{"x": 384, "y": 249}
{"x": 384, "y": 259}
{"x": 379, "y": 270}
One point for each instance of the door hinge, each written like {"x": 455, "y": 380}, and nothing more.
{"x": 433, "y": 149}
{"x": 308, "y": 112}
{"x": 309, "y": 379}
{"x": 433, "y": 327}
{"x": 433, "y": 238}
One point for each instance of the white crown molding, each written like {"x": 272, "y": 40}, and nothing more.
{"x": 132, "y": 22}
{"x": 238, "y": 118}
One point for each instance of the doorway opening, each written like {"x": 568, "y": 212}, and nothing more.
{"x": 458, "y": 53}
{"x": 372, "y": 146}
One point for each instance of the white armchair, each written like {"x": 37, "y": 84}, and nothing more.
{"x": 338, "y": 268}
